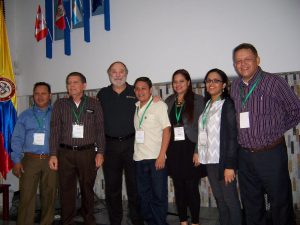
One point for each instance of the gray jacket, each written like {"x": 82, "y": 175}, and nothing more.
{"x": 190, "y": 128}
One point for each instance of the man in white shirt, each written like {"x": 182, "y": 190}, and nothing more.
{"x": 152, "y": 138}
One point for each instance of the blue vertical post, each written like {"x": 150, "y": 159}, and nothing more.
{"x": 67, "y": 32}
{"x": 86, "y": 20}
{"x": 49, "y": 22}
{"x": 106, "y": 15}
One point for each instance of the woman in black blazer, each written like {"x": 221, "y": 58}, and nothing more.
{"x": 218, "y": 147}
{"x": 184, "y": 108}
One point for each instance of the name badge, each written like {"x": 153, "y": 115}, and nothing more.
{"x": 202, "y": 137}
{"x": 244, "y": 120}
{"x": 38, "y": 139}
{"x": 139, "y": 136}
{"x": 77, "y": 131}
{"x": 179, "y": 134}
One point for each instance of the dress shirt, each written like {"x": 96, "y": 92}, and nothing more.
{"x": 63, "y": 118}
{"x": 26, "y": 126}
{"x": 273, "y": 109}
{"x": 155, "y": 120}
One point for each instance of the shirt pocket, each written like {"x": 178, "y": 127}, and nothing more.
{"x": 263, "y": 104}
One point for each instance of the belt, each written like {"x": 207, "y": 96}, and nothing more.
{"x": 76, "y": 147}
{"x": 268, "y": 147}
{"x": 36, "y": 156}
{"x": 120, "y": 138}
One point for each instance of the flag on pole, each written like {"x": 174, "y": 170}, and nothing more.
{"x": 41, "y": 30}
{"x": 76, "y": 12}
{"x": 60, "y": 16}
{"x": 8, "y": 99}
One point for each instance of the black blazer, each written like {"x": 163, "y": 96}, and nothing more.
{"x": 228, "y": 138}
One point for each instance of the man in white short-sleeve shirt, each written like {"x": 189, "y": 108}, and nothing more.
{"x": 152, "y": 137}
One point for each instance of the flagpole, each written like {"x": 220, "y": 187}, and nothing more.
{"x": 68, "y": 23}
{"x": 50, "y": 34}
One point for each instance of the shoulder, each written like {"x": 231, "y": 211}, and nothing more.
{"x": 235, "y": 82}
{"x": 25, "y": 114}
{"x": 198, "y": 98}
{"x": 170, "y": 98}
{"x": 228, "y": 105}
{"x": 160, "y": 105}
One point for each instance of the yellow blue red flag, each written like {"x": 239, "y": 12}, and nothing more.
{"x": 8, "y": 99}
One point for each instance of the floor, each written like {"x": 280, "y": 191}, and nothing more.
{"x": 208, "y": 216}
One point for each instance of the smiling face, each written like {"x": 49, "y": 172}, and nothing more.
{"x": 214, "y": 85}
{"x": 41, "y": 96}
{"x": 180, "y": 84}
{"x": 117, "y": 74}
{"x": 143, "y": 92}
{"x": 246, "y": 63}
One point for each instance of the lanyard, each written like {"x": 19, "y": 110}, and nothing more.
{"x": 245, "y": 99}
{"x": 77, "y": 115}
{"x": 206, "y": 110}
{"x": 142, "y": 118}
{"x": 40, "y": 121}
{"x": 178, "y": 114}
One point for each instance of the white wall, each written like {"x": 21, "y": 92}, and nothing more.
{"x": 156, "y": 37}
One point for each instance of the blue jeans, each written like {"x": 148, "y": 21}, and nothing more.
{"x": 153, "y": 192}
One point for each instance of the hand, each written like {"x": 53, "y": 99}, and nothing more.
{"x": 99, "y": 159}
{"x": 196, "y": 159}
{"x": 18, "y": 170}
{"x": 156, "y": 98}
{"x": 160, "y": 162}
{"x": 53, "y": 163}
{"x": 229, "y": 175}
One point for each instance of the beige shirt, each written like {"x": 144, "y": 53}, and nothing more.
{"x": 155, "y": 120}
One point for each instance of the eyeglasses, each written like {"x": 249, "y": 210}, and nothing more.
{"x": 214, "y": 81}
{"x": 246, "y": 61}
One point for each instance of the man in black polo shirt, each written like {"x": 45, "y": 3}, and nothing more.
{"x": 118, "y": 104}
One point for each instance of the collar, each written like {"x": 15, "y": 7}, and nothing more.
{"x": 38, "y": 109}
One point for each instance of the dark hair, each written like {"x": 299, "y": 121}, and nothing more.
{"x": 117, "y": 62}
{"x": 224, "y": 78}
{"x": 76, "y": 74}
{"x": 143, "y": 79}
{"x": 244, "y": 46}
{"x": 37, "y": 84}
{"x": 189, "y": 95}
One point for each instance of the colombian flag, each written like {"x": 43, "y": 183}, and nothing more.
{"x": 8, "y": 99}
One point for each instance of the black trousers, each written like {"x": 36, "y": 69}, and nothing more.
{"x": 266, "y": 172}
{"x": 187, "y": 195}
{"x": 73, "y": 166}
{"x": 119, "y": 158}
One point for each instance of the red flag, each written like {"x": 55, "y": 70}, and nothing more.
{"x": 60, "y": 16}
{"x": 41, "y": 30}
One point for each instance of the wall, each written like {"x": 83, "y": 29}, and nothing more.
{"x": 154, "y": 38}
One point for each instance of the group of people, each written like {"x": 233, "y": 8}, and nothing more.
{"x": 128, "y": 130}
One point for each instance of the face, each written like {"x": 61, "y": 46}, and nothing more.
{"x": 117, "y": 75}
{"x": 142, "y": 91}
{"x": 246, "y": 63}
{"x": 75, "y": 86}
{"x": 214, "y": 84}
{"x": 180, "y": 84}
{"x": 41, "y": 96}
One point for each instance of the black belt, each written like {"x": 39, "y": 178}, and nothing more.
{"x": 268, "y": 147}
{"x": 120, "y": 138}
{"x": 76, "y": 147}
